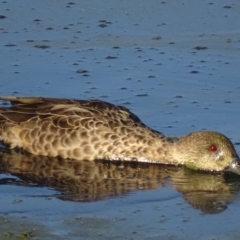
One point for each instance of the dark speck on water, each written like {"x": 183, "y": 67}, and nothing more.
{"x": 151, "y": 76}
{"x": 158, "y": 37}
{"x": 110, "y": 57}
{"x": 10, "y": 45}
{"x": 227, "y": 6}
{"x": 178, "y": 96}
{"x": 200, "y": 47}
{"x": 42, "y": 46}
{"x": 82, "y": 71}
{"x": 142, "y": 95}
{"x": 102, "y": 25}
{"x": 194, "y": 71}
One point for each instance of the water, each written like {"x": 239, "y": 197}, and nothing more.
{"x": 143, "y": 55}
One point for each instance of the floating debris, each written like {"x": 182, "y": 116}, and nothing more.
{"x": 82, "y": 71}
{"x": 110, "y": 57}
{"x": 104, "y": 23}
{"x": 10, "y": 45}
{"x": 200, "y": 48}
{"x": 142, "y": 95}
{"x": 194, "y": 71}
{"x": 158, "y": 37}
{"x": 43, "y": 46}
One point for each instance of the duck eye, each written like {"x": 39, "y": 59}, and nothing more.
{"x": 213, "y": 148}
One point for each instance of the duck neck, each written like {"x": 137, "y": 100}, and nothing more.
{"x": 175, "y": 148}
{"x": 180, "y": 150}
{"x": 162, "y": 152}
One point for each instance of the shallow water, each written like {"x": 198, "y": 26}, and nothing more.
{"x": 174, "y": 64}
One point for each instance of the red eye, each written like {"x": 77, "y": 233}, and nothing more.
{"x": 213, "y": 148}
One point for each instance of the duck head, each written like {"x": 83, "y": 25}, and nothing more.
{"x": 208, "y": 151}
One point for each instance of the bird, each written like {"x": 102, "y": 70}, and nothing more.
{"x": 98, "y": 130}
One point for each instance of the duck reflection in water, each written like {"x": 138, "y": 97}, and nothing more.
{"x": 96, "y": 180}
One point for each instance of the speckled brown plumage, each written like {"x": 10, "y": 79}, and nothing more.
{"x": 93, "y": 129}
{"x": 79, "y": 130}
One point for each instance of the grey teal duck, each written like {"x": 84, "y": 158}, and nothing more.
{"x": 93, "y": 129}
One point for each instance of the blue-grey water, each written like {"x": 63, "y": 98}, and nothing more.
{"x": 173, "y": 63}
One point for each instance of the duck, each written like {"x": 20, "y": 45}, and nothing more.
{"x": 98, "y": 130}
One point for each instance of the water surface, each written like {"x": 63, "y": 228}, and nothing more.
{"x": 174, "y": 64}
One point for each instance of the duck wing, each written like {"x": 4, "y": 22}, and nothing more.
{"x": 26, "y": 108}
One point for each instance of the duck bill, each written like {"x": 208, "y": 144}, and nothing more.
{"x": 235, "y": 166}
